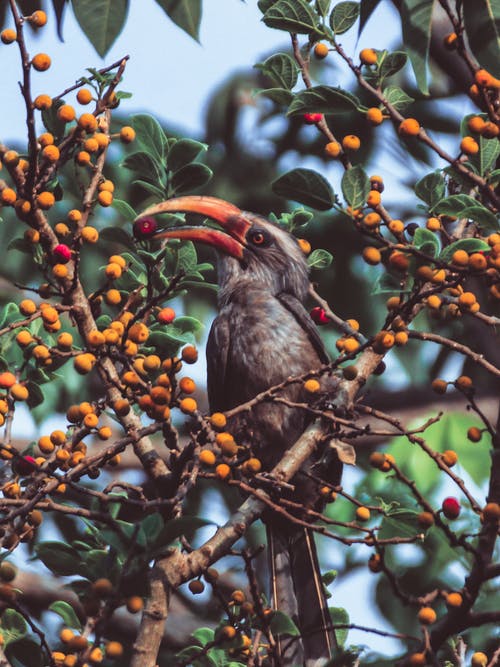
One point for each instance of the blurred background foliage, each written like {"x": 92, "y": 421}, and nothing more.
{"x": 250, "y": 143}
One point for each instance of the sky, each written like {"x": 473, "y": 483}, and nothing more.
{"x": 171, "y": 76}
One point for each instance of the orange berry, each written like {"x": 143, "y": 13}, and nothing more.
{"x": 396, "y": 227}
{"x": 8, "y": 36}
{"x": 312, "y": 386}
{"x": 485, "y": 79}
{"x": 91, "y": 420}
{"x": 51, "y": 153}
{"x": 490, "y": 130}
{"x": 24, "y": 338}
{"x": 222, "y": 471}
{"x": 304, "y": 245}
{"x": 19, "y": 392}
{"x": 65, "y": 340}
{"x": 45, "y": 200}
{"x": 45, "y": 444}
{"x": 66, "y": 113}
{"x": 138, "y": 332}
{"x": 102, "y": 139}
{"x": 478, "y": 262}
{"x": 113, "y": 297}
{"x": 187, "y": 385}
{"x": 90, "y": 145}
{"x": 84, "y": 96}
{"x": 351, "y": 142}
{"x": 74, "y": 215}
{"x": 105, "y": 198}
{"x": 427, "y": 616}
{"x": 409, "y": 127}
{"x": 253, "y": 465}
{"x": 95, "y": 338}
{"x": 40, "y": 352}
{"x": 82, "y": 158}
{"x": 49, "y": 314}
{"x": 114, "y": 650}
{"x": 450, "y": 41}
{"x": 41, "y": 62}
{"x": 60, "y": 271}
{"x": 84, "y": 363}
{"x": 372, "y": 220}
{"x": 218, "y": 420}
{"x": 42, "y": 102}
{"x": 491, "y": 512}
{"x": 373, "y": 198}
{"x": 188, "y": 406}
{"x": 207, "y": 457}
{"x": 127, "y": 134}
{"x": 38, "y": 18}
{"x": 333, "y": 149}
{"x": 363, "y": 514}
{"x": 460, "y": 258}
{"x": 466, "y": 300}
{"x": 417, "y": 660}
{"x": 8, "y": 196}
{"x": 113, "y": 271}
{"x": 474, "y": 434}
{"x": 449, "y": 457}
{"x": 374, "y": 116}
{"x": 469, "y": 146}
{"x": 479, "y": 659}
{"x": 475, "y": 124}
{"x": 433, "y": 224}
{"x": 439, "y": 386}
{"x": 87, "y": 122}
{"x": 372, "y": 255}
{"x": 399, "y": 261}
{"x": 321, "y": 51}
{"x": 134, "y": 604}
{"x": 11, "y": 158}
{"x": 189, "y": 354}
{"x": 454, "y": 600}
{"x": 90, "y": 234}
{"x": 368, "y": 56}
{"x": 425, "y": 520}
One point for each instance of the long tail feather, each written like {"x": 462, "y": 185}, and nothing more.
{"x": 297, "y": 590}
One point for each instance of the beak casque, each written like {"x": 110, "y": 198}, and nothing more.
{"x": 231, "y": 241}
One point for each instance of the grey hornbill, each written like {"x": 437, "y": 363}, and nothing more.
{"x": 261, "y": 336}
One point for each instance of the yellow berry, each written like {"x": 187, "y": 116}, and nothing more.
{"x": 207, "y": 457}
{"x": 368, "y": 56}
{"x": 312, "y": 386}
{"x": 105, "y": 198}
{"x": 427, "y": 616}
{"x": 188, "y": 405}
{"x": 41, "y": 62}
{"x": 374, "y": 116}
{"x": 87, "y": 122}
{"x": 333, "y": 149}
{"x": 8, "y": 36}
{"x": 127, "y": 134}
{"x": 218, "y": 420}
{"x": 42, "y": 102}
{"x": 90, "y": 234}
{"x": 363, "y": 514}
{"x": 321, "y": 50}
{"x": 409, "y": 127}
{"x": 84, "y": 96}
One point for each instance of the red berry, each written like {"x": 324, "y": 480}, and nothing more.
{"x": 62, "y": 254}
{"x": 451, "y": 507}
{"x": 166, "y": 315}
{"x": 319, "y": 316}
{"x": 144, "y": 228}
{"x": 312, "y": 118}
{"x": 25, "y": 465}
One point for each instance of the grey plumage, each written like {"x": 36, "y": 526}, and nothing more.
{"x": 261, "y": 336}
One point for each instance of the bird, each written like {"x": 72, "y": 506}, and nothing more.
{"x": 261, "y": 336}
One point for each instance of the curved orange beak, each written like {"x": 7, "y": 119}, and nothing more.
{"x": 233, "y": 221}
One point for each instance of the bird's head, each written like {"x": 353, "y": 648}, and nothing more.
{"x": 252, "y": 250}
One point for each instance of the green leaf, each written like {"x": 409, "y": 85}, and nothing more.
{"x": 426, "y": 241}
{"x": 367, "y": 9}
{"x": 51, "y": 121}
{"x": 184, "y": 13}
{"x": 187, "y": 258}
{"x": 67, "y": 613}
{"x": 146, "y": 165}
{"x": 24, "y": 652}
{"x": 322, "y": 7}
{"x": 464, "y": 206}
{"x": 294, "y": 16}
{"x": 117, "y": 235}
{"x": 324, "y": 99}
{"x": 159, "y": 193}
{"x": 431, "y": 188}
{"x": 355, "y": 186}
{"x": 190, "y": 177}
{"x": 101, "y": 21}
{"x": 344, "y": 15}
{"x": 35, "y": 397}
{"x": 397, "y": 97}
{"x": 124, "y": 209}
{"x": 150, "y": 135}
{"x": 13, "y": 625}
{"x": 9, "y": 314}
{"x": 204, "y": 635}
{"x": 392, "y": 63}
{"x": 386, "y": 283}
{"x": 482, "y": 25}
{"x": 22, "y": 245}
{"x": 416, "y": 18}
{"x": 469, "y": 245}
{"x": 489, "y": 150}
{"x": 278, "y": 95}
{"x": 183, "y": 152}
{"x": 340, "y": 616}
{"x": 305, "y": 186}
{"x": 186, "y": 324}
{"x": 281, "y": 69}
{"x": 281, "y": 624}
{"x": 59, "y": 557}
{"x": 319, "y": 259}
{"x": 399, "y": 523}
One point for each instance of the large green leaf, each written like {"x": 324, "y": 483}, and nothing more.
{"x": 469, "y": 245}
{"x": 101, "y": 21}
{"x": 190, "y": 177}
{"x": 392, "y": 63}
{"x": 281, "y": 69}
{"x": 150, "y": 135}
{"x": 485, "y": 159}
{"x": 482, "y": 25}
{"x": 355, "y": 186}
{"x": 464, "y": 206}
{"x": 60, "y": 558}
{"x": 431, "y": 188}
{"x": 281, "y": 624}
{"x": 340, "y": 616}
{"x": 305, "y": 186}
{"x": 185, "y": 13}
{"x": 13, "y": 625}
{"x": 67, "y": 613}
{"x": 397, "y": 97}
{"x": 291, "y": 15}
{"x": 344, "y": 15}
{"x": 426, "y": 241}
{"x": 324, "y": 99}
{"x": 416, "y": 16}
{"x": 183, "y": 152}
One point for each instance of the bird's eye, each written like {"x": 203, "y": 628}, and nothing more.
{"x": 259, "y": 237}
